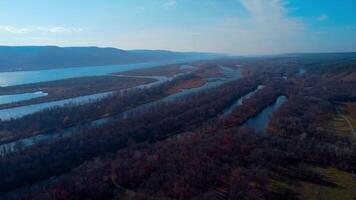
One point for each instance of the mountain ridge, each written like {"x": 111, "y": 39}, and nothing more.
{"x": 25, "y": 58}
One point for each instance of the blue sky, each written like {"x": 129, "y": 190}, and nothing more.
{"x": 230, "y": 26}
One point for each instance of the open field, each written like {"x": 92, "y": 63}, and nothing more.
{"x": 344, "y": 122}
{"x": 333, "y": 184}
{"x": 339, "y": 126}
{"x": 187, "y": 85}
{"x": 341, "y": 186}
{"x": 350, "y": 109}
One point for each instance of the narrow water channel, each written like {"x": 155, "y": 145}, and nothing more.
{"x": 4, "y": 99}
{"x": 261, "y": 121}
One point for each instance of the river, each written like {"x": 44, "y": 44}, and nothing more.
{"x": 12, "y": 98}
{"x": 230, "y": 74}
{"x": 26, "y": 77}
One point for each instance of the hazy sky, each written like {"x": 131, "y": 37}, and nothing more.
{"x": 230, "y": 26}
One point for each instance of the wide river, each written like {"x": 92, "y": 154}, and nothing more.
{"x": 26, "y": 77}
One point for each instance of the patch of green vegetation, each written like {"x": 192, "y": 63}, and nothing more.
{"x": 345, "y": 186}
{"x": 339, "y": 122}
{"x": 281, "y": 190}
{"x": 338, "y": 126}
{"x": 335, "y": 185}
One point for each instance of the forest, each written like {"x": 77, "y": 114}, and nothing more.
{"x": 188, "y": 148}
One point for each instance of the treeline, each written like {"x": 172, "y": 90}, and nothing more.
{"x": 156, "y": 123}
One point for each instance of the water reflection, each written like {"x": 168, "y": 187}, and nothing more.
{"x": 4, "y": 99}
{"x": 261, "y": 121}
{"x": 26, "y": 77}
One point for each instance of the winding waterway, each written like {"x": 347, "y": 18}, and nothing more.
{"x": 229, "y": 74}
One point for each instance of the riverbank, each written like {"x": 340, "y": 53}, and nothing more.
{"x": 166, "y": 70}
{"x": 71, "y": 88}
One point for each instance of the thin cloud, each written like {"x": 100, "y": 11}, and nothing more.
{"x": 268, "y": 29}
{"x": 45, "y": 30}
{"x": 13, "y": 30}
{"x": 170, "y": 3}
{"x": 322, "y": 17}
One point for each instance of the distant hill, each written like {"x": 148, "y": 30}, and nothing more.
{"x": 153, "y": 55}
{"x": 48, "y": 57}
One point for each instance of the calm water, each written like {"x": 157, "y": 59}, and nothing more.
{"x": 26, "y": 77}
{"x": 261, "y": 121}
{"x": 4, "y": 99}
{"x": 26, "y": 142}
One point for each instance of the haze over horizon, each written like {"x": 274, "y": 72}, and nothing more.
{"x": 240, "y": 27}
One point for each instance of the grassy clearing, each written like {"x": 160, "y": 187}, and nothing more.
{"x": 344, "y": 188}
{"x": 350, "y": 110}
{"x": 337, "y": 185}
{"x": 187, "y": 85}
{"x": 167, "y": 70}
{"x": 337, "y": 123}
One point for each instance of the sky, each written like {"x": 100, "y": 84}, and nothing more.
{"x": 238, "y": 27}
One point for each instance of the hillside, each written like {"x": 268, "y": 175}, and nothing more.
{"x": 22, "y": 58}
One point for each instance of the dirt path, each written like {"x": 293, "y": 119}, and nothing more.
{"x": 347, "y": 121}
{"x": 350, "y": 125}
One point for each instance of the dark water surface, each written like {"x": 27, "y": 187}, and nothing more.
{"x": 261, "y": 121}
